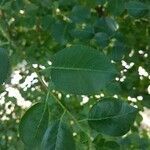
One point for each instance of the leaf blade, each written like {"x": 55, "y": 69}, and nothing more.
{"x": 112, "y": 117}
{"x": 33, "y": 125}
{"x": 58, "y": 136}
{"x": 135, "y": 8}
{"x": 4, "y": 65}
{"x": 81, "y": 77}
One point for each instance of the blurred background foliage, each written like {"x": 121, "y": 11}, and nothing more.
{"x": 33, "y": 30}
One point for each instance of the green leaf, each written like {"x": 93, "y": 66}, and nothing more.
{"x": 58, "y": 137}
{"x": 16, "y": 5}
{"x": 93, "y": 3}
{"x": 46, "y": 3}
{"x": 66, "y": 2}
{"x": 80, "y": 14}
{"x": 112, "y": 24}
{"x": 112, "y": 117}
{"x": 102, "y": 39}
{"x": 31, "y": 9}
{"x": 99, "y": 140}
{"x": 116, "y": 7}
{"x": 4, "y": 65}
{"x": 117, "y": 51}
{"x": 136, "y": 9}
{"x": 26, "y": 22}
{"x": 60, "y": 31}
{"x": 81, "y": 70}
{"x": 83, "y": 34}
{"x": 104, "y": 143}
{"x": 146, "y": 101}
{"x": 113, "y": 88}
{"x": 135, "y": 141}
{"x": 107, "y": 25}
{"x": 112, "y": 145}
{"x": 33, "y": 125}
{"x": 46, "y": 22}
{"x": 100, "y": 2}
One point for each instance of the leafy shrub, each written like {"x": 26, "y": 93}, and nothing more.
{"x": 86, "y": 57}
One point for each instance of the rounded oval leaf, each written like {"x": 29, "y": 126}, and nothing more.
{"x": 136, "y": 8}
{"x": 81, "y": 70}
{"x": 33, "y": 125}
{"x": 4, "y": 65}
{"x": 80, "y": 13}
{"x": 112, "y": 117}
{"x": 116, "y": 7}
{"x": 107, "y": 25}
{"x": 58, "y": 137}
{"x": 102, "y": 39}
{"x": 118, "y": 51}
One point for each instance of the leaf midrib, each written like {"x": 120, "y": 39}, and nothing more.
{"x": 111, "y": 117}
{"x": 81, "y": 69}
{"x": 59, "y": 127}
{"x": 130, "y": 8}
{"x": 57, "y": 135}
{"x": 39, "y": 124}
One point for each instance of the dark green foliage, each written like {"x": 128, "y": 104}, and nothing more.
{"x": 58, "y": 136}
{"x": 33, "y": 125}
{"x": 4, "y": 65}
{"x": 136, "y": 8}
{"x": 69, "y": 59}
{"x": 81, "y": 77}
{"x": 112, "y": 117}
